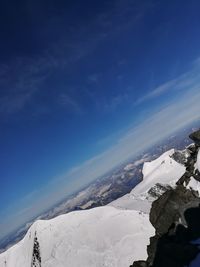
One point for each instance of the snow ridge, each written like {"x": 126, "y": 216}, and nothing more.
{"x": 111, "y": 236}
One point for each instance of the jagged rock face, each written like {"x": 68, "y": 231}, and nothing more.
{"x": 190, "y": 166}
{"x": 195, "y": 136}
{"x": 171, "y": 244}
{"x": 180, "y": 157}
{"x": 167, "y": 212}
{"x": 171, "y": 212}
{"x": 175, "y": 248}
{"x": 157, "y": 190}
{"x": 169, "y": 208}
{"x": 139, "y": 264}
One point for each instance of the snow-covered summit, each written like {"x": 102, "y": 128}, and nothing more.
{"x": 110, "y": 236}
{"x": 163, "y": 170}
{"x": 103, "y": 236}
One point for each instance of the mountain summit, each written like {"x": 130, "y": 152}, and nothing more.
{"x": 161, "y": 209}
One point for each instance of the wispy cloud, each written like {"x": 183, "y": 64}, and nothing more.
{"x": 12, "y": 104}
{"x": 184, "y": 81}
{"x": 115, "y": 102}
{"x": 23, "y": 78}
{"x": 20, "y": 80}
{"x": 93, "y": 78}
{"x": 169, "y": 119}
{"x": 70, "y": 104}
{"x": 172, "y": 116}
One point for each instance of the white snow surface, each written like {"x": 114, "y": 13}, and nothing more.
{"x": 103, "y": 236}
{"x": 163, "y": 170}
{"x": 111, "y": 236}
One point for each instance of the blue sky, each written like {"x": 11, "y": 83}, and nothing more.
{"x": 83, "y": 86}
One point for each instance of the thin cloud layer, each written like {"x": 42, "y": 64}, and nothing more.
{"x": 185, "y": 81}
{"x": 174, "y": 115}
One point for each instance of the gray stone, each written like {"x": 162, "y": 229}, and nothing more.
{"x": 139, "y": 264}
{"x": 195, "y": 136}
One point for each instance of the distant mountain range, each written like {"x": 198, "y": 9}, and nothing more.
{"x": 113, "y": 235}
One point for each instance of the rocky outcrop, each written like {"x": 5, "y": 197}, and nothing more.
{"x": 195, "y": 136}
{"x": 180, "y": 156}
{"x": 157, "y": 190}
{"x": 36, "y": 257}
{"x": 166, "y": 213}
{"x": 139, "y": 264}
{"x": 175, "y": 216}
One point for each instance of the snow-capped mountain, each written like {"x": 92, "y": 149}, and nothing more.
{"x": 163, "y": 171}
{"x": 105, "y": 189}
{"x": 83, "y": 238}
{"x": 113, "y": 235}
{"x": 118, "y": 234}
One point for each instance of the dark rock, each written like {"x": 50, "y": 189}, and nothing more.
{"x": 139, "y": 264}
{"x": 170, "y": 207}
{"x": 180, "y": 157}
{"x": 184, "y": 179}
{"x": 157, "y": 190}
{"x": 171, "y": 245}
{"x": 167, "y": 211}
{"x": 191, "y": 148}
{"x": 190, "y": 166}
{"x": 176, "y": 249}
{"x": 195, "y": 136}
{"x": 36, "y": 257}
{"x": 196, "y": 175}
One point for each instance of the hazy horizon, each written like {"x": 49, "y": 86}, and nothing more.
{"x": 84, "y": 87}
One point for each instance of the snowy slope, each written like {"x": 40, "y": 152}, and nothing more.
{"x": 110, "y": 236}
{"x": 103, "y": 236}
{"x": 163, "y": 170}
